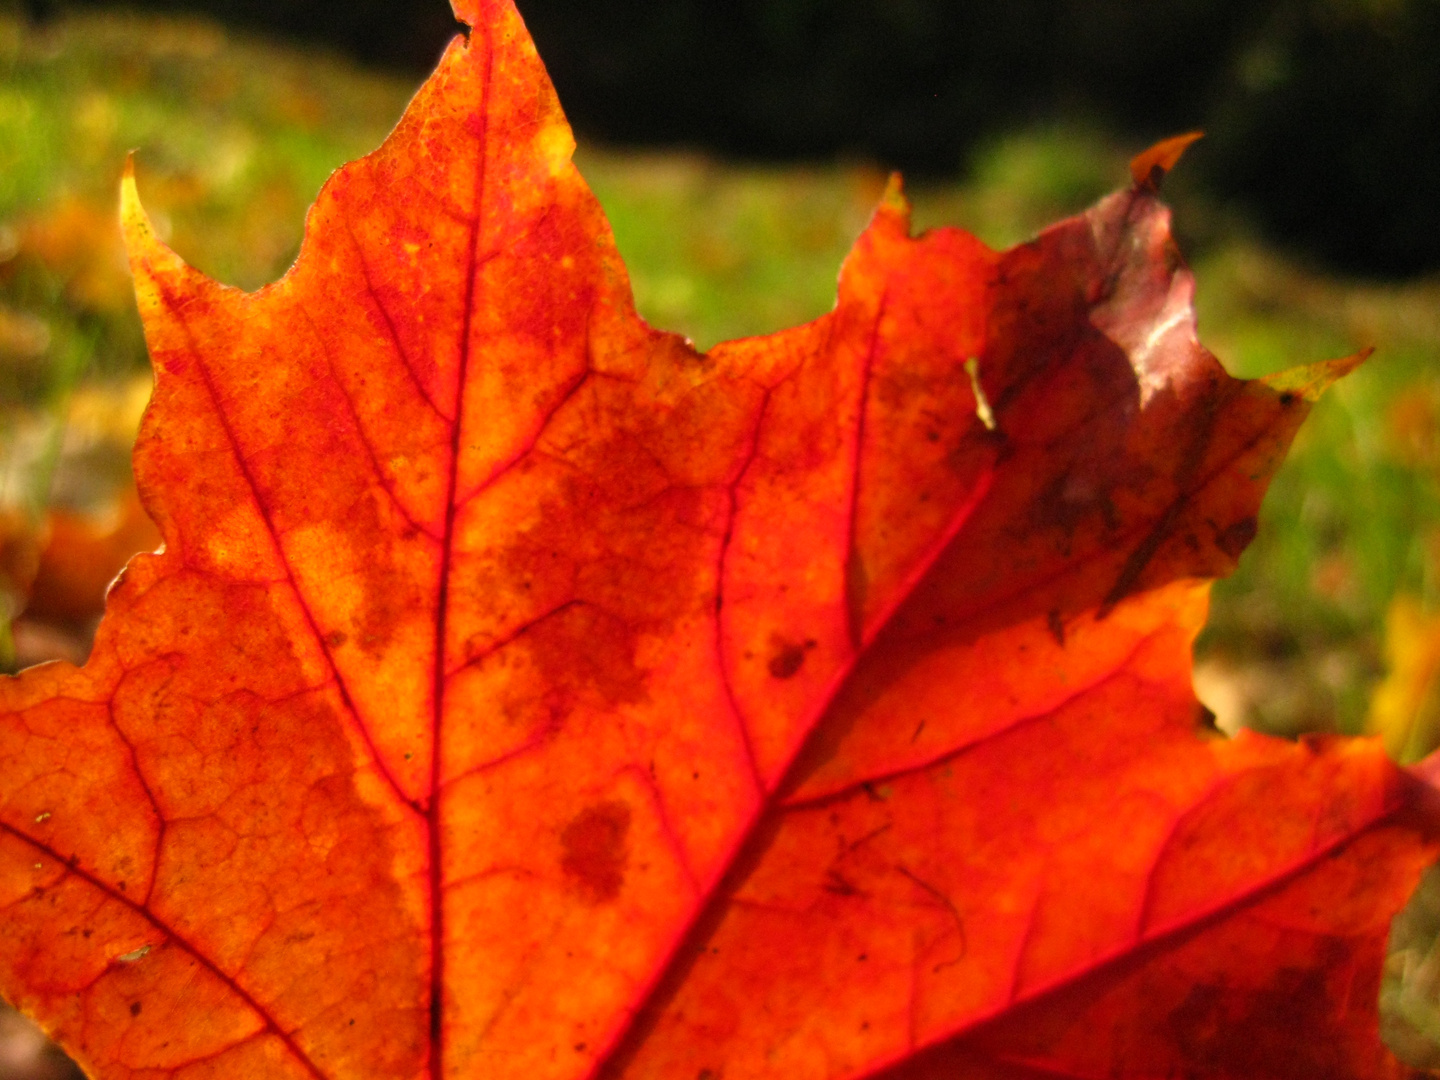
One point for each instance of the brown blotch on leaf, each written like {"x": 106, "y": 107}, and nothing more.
{"x": 1237, "y": 537}
{"x": 1226, "y": 1033}
{"x": 134, "y": 1008}
{"x": 1056, "y": 625}
{"x": 595, "y": 849}
{"x": 786, "y": 658}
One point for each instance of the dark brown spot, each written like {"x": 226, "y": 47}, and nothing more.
{"x": 786, "y": 662}
{"x": 836, "y": 882}
{"x": 1057, "y": 627}
{"x": 1228, "y": 1034}
{"x": 1237, "y": 537}
{"x": 786, "y": 658}
{"x": 336, "y": 638}
{"x": 134, "y": 1008}
{"x": 595, "y": 851}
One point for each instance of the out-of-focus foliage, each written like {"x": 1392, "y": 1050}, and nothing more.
{"x": 1354, "y": 520}
{"x": 1404, "y": 707}
{"x": 1321, "y": 113}
{"x": 236, "y": 136}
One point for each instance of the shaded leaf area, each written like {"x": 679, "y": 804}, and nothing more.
{"x": 520, "y": 691}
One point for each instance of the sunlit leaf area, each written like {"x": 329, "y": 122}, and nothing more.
{"x": 1332, "y": 622}
{"x": 233, "y": 137}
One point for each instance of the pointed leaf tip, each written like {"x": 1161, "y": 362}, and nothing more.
{"x": 894, "y": 204}
{"x": 477, "y": 12}
{"x": 129, "y": 196}
{"x": 1310, "y": 381}
{"x": 1149, "y": 168}
{"x": 134, "y": 222}
{"x": 894, "y": 196}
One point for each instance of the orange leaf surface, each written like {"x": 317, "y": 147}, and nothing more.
{"x": 520, "y": 693}
{"x": 1147, "y": 169}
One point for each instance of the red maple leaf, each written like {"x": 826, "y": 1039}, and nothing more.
{"x": 520, "y": 693}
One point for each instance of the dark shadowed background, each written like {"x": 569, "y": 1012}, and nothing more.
{"x": 1323, "y": 115}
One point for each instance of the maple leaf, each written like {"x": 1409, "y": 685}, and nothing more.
{"x": 520, "y": 693}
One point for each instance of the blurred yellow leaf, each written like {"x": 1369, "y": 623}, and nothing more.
{"x": 1404, "y": 709}
{"x": 107, "y": 412}
{"x": 80, "y": 241}
{"x": 22, "y": 336}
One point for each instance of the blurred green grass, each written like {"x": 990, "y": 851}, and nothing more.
{"x": 234, "y": 136}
